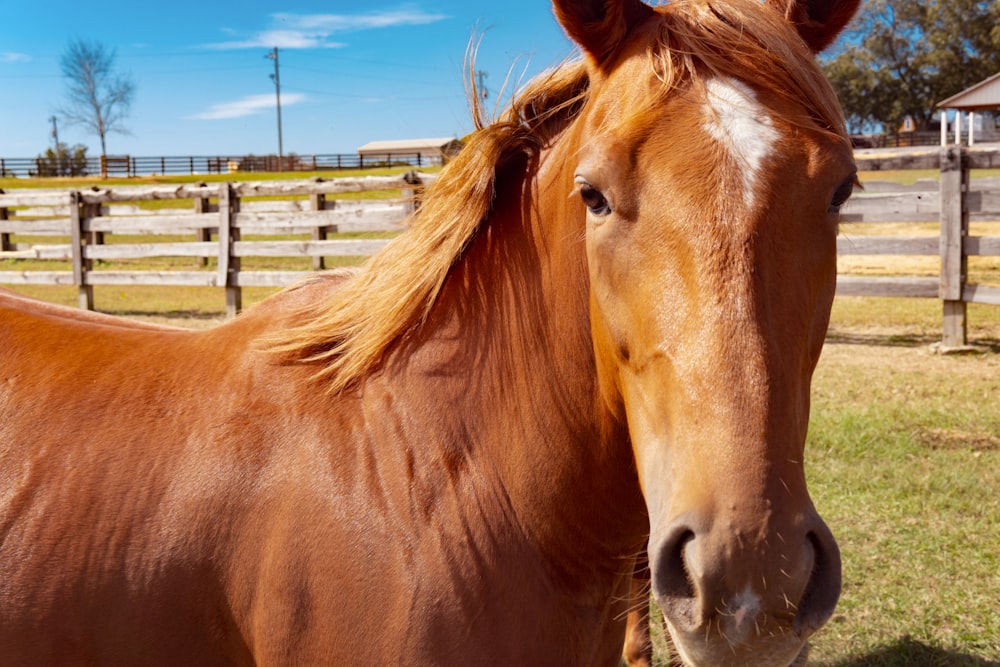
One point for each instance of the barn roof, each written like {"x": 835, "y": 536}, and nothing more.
{"x": 407, "y": 146}
{"x": 980, "y": 97}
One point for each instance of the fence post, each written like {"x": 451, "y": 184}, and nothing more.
{"x": 317, "y": 202}
{"x": 202, "y": 234}
{"x": 77, "y": 215}
{"x": 954, "y": 231}
{"x": 5, "y": 243}
{"x": 229, "y": 234}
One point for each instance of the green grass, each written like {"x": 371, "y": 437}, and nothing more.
{"x": 904, "y": 463}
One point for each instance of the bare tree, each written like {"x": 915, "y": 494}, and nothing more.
{"x": 98, "y": 98}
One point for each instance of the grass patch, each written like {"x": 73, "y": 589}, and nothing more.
{"x": 904, "y": 463}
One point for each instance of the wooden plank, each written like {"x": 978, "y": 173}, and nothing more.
{"x": 982, "y": 246}
{"x": 176, "y": 278}
{"x": 41, "y": 212}
{"x": 146, "y": 250}
{"x": 36, "y": 278}
{"x": 46, "y": 227}
{"x": 887, "y": 287}
{"x": 983, "y": 157}
{"x": 127, "y": 193}
{"x": 31, "y": 197}
{"x": 987, "y": 294}
{"x": 979, "y": 157}
{"x": 892, "y": 207}
{"x": 343, "y": 220}
{"x": 61, "y": 251}
{"x": 180, "y": 223}
{"x": 983, "y": 205}
{"x": 328, "y": 248}
{"x": 888, "y": 159}
{"x": 888, "y": 245}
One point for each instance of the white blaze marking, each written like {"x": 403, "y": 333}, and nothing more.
{"x": 742, "y": 125}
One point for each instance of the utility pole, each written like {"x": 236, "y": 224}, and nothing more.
{"x": 277, "y": 92}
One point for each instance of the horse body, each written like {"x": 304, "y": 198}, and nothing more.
{"x": 231, "y": 523}
{"x": 574, "y": 378}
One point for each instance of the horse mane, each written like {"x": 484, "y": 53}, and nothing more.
{"x": 394, "y": 290}
{"x": 348, "y": 334}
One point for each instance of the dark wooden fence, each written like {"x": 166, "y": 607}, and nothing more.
{"x": 126, "y": 166}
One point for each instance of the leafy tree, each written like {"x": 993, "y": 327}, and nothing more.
{"x": 901, "y": 57}
{"x": 98, "y": 98}
{"x": 63, "y": 161}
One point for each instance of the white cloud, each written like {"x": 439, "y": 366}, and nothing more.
{"x": 313, "y": 31}
{"x": 12, "y": 57}
{"x": 248, "y": 106}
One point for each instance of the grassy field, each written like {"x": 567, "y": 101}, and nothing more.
{"x": 903, "y": 462}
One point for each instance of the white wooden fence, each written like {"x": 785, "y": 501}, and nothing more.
{"x": 78, "y": 220}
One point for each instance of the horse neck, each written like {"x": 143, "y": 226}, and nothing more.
{"x": 510, "y": 351}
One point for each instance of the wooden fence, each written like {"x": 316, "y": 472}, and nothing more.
{"x": 311, "y": 209}
{"x": 77, "y": 222}
{"x": 952, "y": 200}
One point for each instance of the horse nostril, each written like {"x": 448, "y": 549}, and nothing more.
{"x": 672, "y": 585}
{"x": 823, "y": 590}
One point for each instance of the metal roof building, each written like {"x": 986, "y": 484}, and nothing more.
{"x": 431, "y": 151}
{"x": 984, "y": 96}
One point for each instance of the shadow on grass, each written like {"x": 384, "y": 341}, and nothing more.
{"x": 911, "y": 653}
{"x": 986, "y": 345}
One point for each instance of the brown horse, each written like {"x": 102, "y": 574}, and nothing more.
{"x": 598, "y": 334}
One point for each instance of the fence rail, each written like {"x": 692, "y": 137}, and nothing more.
{"x": 237, "y": 217}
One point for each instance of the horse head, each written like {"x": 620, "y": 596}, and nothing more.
{"x": 710, "y": 161}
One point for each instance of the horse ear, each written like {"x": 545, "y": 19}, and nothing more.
{"x": 600, "y": 26}
{"x": 818, "y": 21}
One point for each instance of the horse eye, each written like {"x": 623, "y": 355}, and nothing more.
{"x": 594, "y": 200}
{"x": 842, "y": 194}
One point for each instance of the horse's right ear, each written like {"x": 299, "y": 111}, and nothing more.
{"x": 600, "y": 26}
{"x": 818, "y": 21}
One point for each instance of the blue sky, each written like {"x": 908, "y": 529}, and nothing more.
{"x": 350, "y": 72}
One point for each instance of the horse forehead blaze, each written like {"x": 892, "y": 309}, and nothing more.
{"x": 742, "y": 126}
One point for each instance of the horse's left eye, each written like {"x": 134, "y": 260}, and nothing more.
{"x": 842, "y": 194}
{"x": 596, "y": 202}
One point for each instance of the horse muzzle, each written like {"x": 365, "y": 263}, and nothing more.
{"x": 736, "y": 597}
